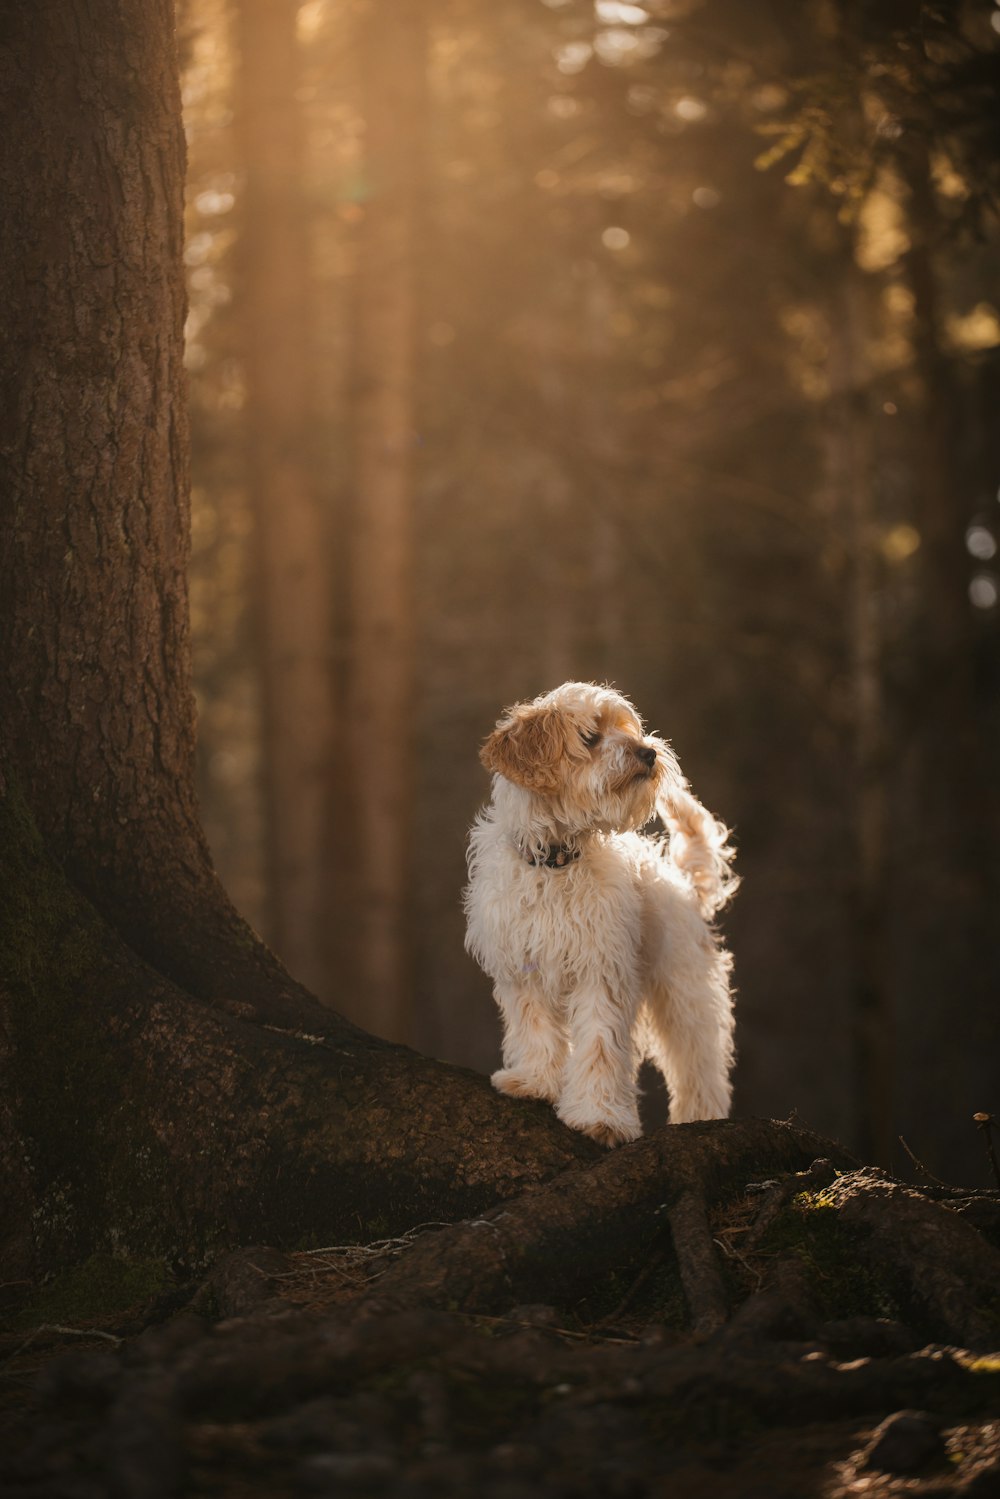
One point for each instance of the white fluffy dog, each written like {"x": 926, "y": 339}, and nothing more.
{"x": 598, "y": 939}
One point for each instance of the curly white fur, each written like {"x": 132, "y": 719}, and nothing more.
{"x": 597, "y": 938}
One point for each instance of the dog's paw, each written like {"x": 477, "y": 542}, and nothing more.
{"x": 520, "y": 1085}
{"x": 608, "y": 1129}
{"x": 687, "y": 1109}
{"x": 609, "y": 1134}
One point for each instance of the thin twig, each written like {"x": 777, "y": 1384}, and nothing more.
{"x": 987, "y": 1123}
{"x": 79, "y": 1332}
{"x": 376, "y": 1248}
{"x": 924, "y": 1169}
{"x": 63, "y": 1332}
{"x": 351, "y": 1265}
{"x": 562, "y": 1332}
{"x": 733, "y": 1253}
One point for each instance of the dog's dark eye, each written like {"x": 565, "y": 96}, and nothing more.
{"x": 592, "y": 739}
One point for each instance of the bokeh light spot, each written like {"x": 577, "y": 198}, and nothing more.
{"x": 573, "y": 57}
{"x": 983, "y": 590}
{"x": 617, "y": 13}
{"x": 900, "y": 542}
{"x": 980, "y": 543}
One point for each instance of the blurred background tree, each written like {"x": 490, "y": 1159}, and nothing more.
{"x": 655, "y": 343}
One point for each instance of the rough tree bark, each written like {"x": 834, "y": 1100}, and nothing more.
{"x": 168, "y": 1088}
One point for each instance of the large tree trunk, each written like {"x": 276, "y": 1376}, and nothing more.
{"x": 96, "y": 704}
{"x": 293, "y": 545}
{"x": 168, "y": 1089}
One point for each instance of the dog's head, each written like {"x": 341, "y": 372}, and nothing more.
{"x": 581, "y": 750}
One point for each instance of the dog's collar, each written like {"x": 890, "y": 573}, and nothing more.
{"x": 556, "y": 856}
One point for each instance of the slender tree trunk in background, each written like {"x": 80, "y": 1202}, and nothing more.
{"x": 945, "y": 702}
{"x": 852, "y": 479}
{"x": 380, "y": 696}
{"x": 606, "y": 502}
{"x": 165, "y": 1089}
{"x": 293, "y": 602}
{"x": 851, "y": 476}
{"x": 942, "y": 505}
{"x": 952, "y": 869}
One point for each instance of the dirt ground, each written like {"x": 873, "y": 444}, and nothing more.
{"x": 309, "y": 1374}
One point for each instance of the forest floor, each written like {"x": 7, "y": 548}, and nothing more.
{"x": 837, "y": 1366}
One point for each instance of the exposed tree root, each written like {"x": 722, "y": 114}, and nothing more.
{"x": 278, "y": 1131}
{"x": 950, "y": 1270}
{"x": 785, "y": 1341}
{"x": 550, "y": 1242}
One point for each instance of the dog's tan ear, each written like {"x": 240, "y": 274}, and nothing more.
{"x": 527, "y": 748}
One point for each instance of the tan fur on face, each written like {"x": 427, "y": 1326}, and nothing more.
{"x": 530, "y": 748}
{"x": 577, "y": 747}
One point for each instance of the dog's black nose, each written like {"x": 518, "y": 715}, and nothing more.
{"x": 647, "y": 754}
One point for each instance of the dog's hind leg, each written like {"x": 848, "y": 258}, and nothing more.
{"x": 534, "y": 1045}
{"x": 688, "y": 1034}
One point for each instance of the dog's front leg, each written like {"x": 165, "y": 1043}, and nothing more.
{"x": 534, "y": 1045}
{"x": 598, "y": 1092}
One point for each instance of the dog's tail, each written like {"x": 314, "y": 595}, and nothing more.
{"x": 700, "y": 848}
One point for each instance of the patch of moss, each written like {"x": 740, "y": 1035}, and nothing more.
{"x": 844, "y": 1282}
{"x": 100, "y": 1290}
{"x": 811, "y": 1202}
